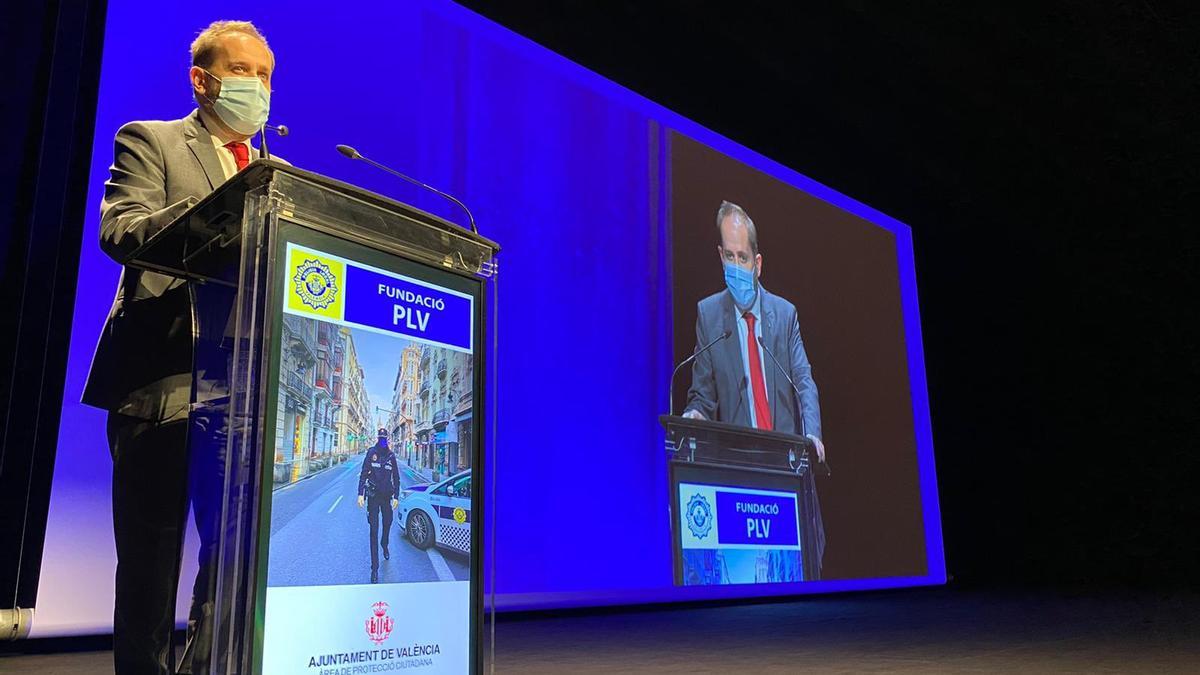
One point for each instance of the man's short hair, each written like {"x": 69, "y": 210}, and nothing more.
{"x": 206, "y": 44}
{"x": 739, "y": 215}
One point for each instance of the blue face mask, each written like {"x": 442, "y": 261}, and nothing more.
{"x": 243, "y": 103}
{"x": 383, "y": 441}
{"x": 741, "y": 284}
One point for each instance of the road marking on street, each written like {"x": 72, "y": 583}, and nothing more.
{"x": 439, "y": 565}
{"x": 335, "y": 503}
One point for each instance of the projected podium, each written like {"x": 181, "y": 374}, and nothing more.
{"x": 306, "y": 289}
{"x": 743, "y": 504}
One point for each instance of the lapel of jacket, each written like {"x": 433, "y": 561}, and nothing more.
{"x": 733, "y": 355}
{"x": 769, "y": 367}
{"x": 199, "y": 141}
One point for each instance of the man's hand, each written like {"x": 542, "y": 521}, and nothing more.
{"x": 395, "y": 503}
{"x": 693, "y": 414}
{"x": 820, "y": 447}
{"x": 362, "y": 502}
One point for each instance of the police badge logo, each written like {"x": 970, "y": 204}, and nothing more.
{"x": 699, "y": 516}
{"x": 315, "y": 284}
{"x": 460, "y": 515}
{"x": 379, "y": 626}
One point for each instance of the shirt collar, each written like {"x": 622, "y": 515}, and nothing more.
{"x": 221, "y": 144}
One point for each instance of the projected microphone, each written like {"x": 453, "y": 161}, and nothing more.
{"x": 354, "y": 154}
{"x": 698, "y": 352}
{"x": 796, "y": 389}
{"x": 281, "y": 129}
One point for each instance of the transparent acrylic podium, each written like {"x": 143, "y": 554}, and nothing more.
{"x": 282, "y": 264}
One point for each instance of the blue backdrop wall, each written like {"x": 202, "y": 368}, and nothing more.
{"x": 560, "y": 166}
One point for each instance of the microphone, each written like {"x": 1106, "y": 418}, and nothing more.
{"x": 354, "y": 154}
{"x": 698, "y": 352}
{"x": 282, "y": 130}
{"x": 796, "y": 389}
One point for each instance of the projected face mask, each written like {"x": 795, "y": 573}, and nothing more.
{"x": 741, "y": 284}
{"x": 383, "y": 441}
{"x": 243, "y": 103}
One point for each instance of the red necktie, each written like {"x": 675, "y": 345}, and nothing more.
{"x": 241, "y": 154}
{"x": 762, "y": 411}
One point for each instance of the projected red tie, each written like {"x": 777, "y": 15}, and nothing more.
{"x": 762, "y": 411}
{"x": 241, "y": 153}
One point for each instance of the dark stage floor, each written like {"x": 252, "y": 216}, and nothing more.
{"x": 918, "y": 631}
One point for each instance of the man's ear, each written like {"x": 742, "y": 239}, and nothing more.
{"x": 202, "y": 84}
{"x": 758, "y": 264}
{"x": 196, "y": 77}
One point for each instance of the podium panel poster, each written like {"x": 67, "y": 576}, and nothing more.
{"x": 371, "y": 421}
{"x": 739, "y": 536}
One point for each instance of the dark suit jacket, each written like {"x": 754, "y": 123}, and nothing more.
{"x": 159, "y": 170}
{"x": 719, "y": 383}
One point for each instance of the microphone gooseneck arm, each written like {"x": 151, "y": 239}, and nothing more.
{"x": 282, "y": 130}
{"x": 263, "y": 153}
{"x": 355, "y": 154}
{"x": 789, "y": 381}
{"x": 695, "y": 354}
{"x": 799, "y": 398}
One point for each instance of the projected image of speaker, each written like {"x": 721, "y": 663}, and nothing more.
{"x": 789, "y": 336}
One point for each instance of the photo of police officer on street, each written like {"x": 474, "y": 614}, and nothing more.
{"x": 379, "y": 494}
{"x": 373, "y": 424}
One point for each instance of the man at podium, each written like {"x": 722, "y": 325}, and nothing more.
{"x": 743, "y": 379}
{"x": 142, "y": 369}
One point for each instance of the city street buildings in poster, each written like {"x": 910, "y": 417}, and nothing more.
{"x": 338, "y": 386}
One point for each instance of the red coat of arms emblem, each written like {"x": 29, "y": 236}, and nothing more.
{"x": 379, "y": 625}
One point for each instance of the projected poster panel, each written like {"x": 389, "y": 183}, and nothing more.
{"x": 736, "y": 535}
{"x": 809, "y": 295}
{"x": 371, "y": 507}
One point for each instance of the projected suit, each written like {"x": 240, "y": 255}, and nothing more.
{"x": 720, "y": 387}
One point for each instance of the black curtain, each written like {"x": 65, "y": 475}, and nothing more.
{"x": 49, "y": 90}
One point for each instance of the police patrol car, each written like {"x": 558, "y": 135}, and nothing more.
{"x": 439, "y": 514}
